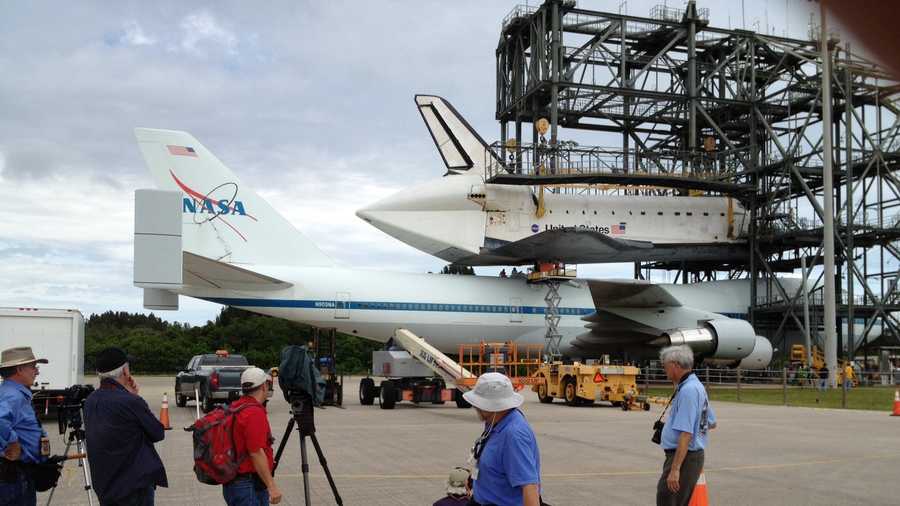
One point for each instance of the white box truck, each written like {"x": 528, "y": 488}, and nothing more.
{"x": 54, "y": 334}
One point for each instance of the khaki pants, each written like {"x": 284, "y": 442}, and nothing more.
{"x": 690, "y": 473}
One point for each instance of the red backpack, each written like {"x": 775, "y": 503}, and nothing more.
{"x": 216, "y": 460}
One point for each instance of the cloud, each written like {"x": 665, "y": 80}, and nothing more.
{"x": 201, "y": 31}
{"x": 134, "y": 35}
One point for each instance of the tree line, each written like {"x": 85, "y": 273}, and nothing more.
{"x": 161, "y": 347}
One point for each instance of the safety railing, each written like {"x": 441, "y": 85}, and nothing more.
{"x": 569, "y": 158}
{"x": 865, "y": 389}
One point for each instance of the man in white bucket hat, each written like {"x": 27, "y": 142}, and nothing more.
{"x": 507, "y": 463}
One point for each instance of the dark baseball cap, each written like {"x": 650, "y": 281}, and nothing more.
{"x": 112, "y": 358}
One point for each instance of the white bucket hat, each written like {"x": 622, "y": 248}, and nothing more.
{"x": 493, "y": 392}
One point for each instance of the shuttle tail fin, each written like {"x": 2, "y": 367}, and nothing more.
{"x": 221, "y": 218}
{"x": 460, "y": 146}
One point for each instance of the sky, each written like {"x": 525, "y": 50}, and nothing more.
{"x": 309, "y": 102}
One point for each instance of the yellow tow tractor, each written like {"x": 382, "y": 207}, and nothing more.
{"x": 581, "y": 384}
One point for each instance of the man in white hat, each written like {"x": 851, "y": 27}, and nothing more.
{"x": 254, "y": 484}
{"x": 506, "y": 456}
{"x": 20, "y": 431}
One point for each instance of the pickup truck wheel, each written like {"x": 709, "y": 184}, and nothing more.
{"x": 206, "y": 403}
{"x": 389, "y": 394}
{"x": 180, "y": 400}
{"x": 367, "y": 391}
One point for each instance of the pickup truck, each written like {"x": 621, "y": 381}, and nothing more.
{"x": 217, "y": 378}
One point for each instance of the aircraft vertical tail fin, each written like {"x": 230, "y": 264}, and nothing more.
{"x": 221, "y": 218}
{"x": 460, "y": 146}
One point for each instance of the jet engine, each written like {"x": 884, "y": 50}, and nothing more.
{"x": 725, "y": 340}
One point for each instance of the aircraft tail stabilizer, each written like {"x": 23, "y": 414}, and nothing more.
{"x": 222, "y": 219}
{"x": 459, "y": 144}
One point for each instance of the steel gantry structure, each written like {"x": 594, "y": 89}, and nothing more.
{"x": 693, "y": 109}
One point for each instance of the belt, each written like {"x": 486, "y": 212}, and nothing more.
{"x": 669, "y": 452}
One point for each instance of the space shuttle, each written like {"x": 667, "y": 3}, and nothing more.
{"x": 205, "y": 234}
{"x": 462, "y": 219}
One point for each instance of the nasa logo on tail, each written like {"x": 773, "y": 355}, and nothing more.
{"x": 215, "y": 204}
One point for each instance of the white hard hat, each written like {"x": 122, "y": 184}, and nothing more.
{"x": 253, "y": 377}
{"x": 493, "y": 392}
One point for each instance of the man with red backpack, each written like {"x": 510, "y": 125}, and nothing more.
{"x": 254, "y": 484}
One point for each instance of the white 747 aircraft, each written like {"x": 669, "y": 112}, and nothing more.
{"x": 214, "y": 239}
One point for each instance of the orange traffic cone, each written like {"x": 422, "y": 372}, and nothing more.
{"x": 896, "y": 403}
{"x": 700, "y": 497}
{"x": 164, "y": 412}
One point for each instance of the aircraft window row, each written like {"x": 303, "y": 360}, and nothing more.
{"x": 401, "y": 306}
{"x": 436, "y": 307}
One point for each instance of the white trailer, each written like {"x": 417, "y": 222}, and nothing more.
{"x": 418, "y": 374}
{"x": 54, "y": 334}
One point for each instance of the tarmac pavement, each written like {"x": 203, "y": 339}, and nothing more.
{"x": 589, "y": 455}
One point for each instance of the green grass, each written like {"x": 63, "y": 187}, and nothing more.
{"x": 872, "y": 398}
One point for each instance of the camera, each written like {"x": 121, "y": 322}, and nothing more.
{"x": 69, "y": 410}
{"x": 657, "y": 431}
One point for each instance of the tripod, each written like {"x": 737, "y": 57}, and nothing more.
{"x": 77, "y": 436}
{"x": 302, "y": 417}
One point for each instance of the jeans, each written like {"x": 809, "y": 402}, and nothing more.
{"x": 18, "y": 493}
{"x": 140, "y": 497}
{"x": 244, "y": 491}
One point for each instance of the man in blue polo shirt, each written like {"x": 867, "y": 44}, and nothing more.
{"x": 20, "y": 430}
{"x": 684, "y": 435}
{"x": 506, "y": 457}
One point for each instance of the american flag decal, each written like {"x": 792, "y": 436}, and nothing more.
{"x": 182, "y": 151}
{"x": 618, "y": 229}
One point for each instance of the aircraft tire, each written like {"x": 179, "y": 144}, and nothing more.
{"x": 388, "y": 395}
{"x": 367, "y": 391}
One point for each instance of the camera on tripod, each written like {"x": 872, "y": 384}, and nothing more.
{"x": 303, "y": 388}
{"x": 69, "y": 411}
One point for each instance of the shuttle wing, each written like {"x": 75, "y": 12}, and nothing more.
{"x": 576, "y": 246}
{"x": 630, "y": 293}
{"x": 208, "y": 273}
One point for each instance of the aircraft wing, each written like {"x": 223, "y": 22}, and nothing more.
{"x": 630, "y": 293}
{"x": 576, "y": 246}
{"x": 205, "y": 272}
{"x": 629, "y": 314}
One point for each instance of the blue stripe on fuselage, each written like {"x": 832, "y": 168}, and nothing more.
{"x": 406, "y": 306}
